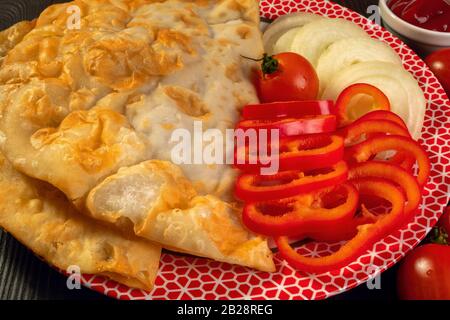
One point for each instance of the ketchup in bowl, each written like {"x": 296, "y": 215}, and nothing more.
{"x": 428, "y": 14}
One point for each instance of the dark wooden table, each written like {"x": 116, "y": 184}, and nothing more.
{"x": 23, "y": 276}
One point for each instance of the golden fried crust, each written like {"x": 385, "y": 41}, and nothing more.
{"x": 185, "y": 55}
{"x": 41, "y": 217}
{"x": 81, "y": 108}
{"x": 13, "y": 35}
{"x": 161, "y": 205}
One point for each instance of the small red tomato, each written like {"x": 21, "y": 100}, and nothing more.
{"x": 444, "y": 222}
{"x": 425, "y": 274}
{"x": 439, "y": 63}
{"x": 286, "y": 77}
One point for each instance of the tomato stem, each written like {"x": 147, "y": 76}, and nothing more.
{"x": 269, "y": 64}
{"x": 439, "y": 236}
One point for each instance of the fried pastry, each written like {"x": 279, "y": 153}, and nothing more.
{"x": 91, "y": 110}
{"x": 158, "y": 203}
{"x": 41, "y": 217}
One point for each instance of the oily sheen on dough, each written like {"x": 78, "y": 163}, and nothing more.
{"x": 85, "y": 109}
{"x": 40, "y": 217}
{"x": 11, "y": 36}
{"x": 156, "y": 200}
{"x": 154, "y": 65}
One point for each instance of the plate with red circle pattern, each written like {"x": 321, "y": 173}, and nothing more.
{"x": 186, "y": 277}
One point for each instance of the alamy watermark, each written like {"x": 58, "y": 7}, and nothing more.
{"x": 74, "y": 20}
{"x": 374, "y": 281}
{"x": 374, "y": 15}
{"x": 74, "y": 277}
{"x": 234, "y": 146}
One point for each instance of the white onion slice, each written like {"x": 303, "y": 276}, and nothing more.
{"x": 284, "y": 43}
{"x": 406, "y": 98}
{"x": 315, "y": 37}
{"x": 283, "y": 24}
{"x": 346, "y": 52}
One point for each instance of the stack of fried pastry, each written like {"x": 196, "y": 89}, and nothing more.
{"x": 87, "y": 110}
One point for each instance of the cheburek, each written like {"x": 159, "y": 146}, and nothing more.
{"x": 13, "y": 35}
{"x": 86, "y": 109}
{"x": 155, "y": 66}
{"x": 158, "y": 203}
{"x": 40, "y": 216}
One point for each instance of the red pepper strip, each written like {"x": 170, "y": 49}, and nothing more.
{"x": 366, "y": 236}
{"x": 384, "y": 115}
{"x": 376, "y": 127}
{"x": 368, "y": 126}
{"x": 400, "y": 159}
{"x": 291, "y": 109}
{"x": 403, "y": 160}
{"x": 364, "y": 150}
{"x": 396, "y": 175}
{"x": 292, "y": 216}
{"x": 293, "y": 127}
{"x": 374, "y": 169}
{"x": 296, "y": 153}
{"x": 252, "y": 187}
{"x": 341, "y": 232}
{"x": 350, "y": 107}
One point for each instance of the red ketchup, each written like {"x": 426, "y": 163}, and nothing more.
{"x": 427, "y": 14}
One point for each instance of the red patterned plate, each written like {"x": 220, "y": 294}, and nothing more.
{"x": 182, "y": 277}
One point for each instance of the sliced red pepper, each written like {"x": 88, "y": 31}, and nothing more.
{"x": 377, "y": 127}
{"x": 296, "y": 153}
{"x": 366, "y": 236}
{"x": 373, "y": 169}
{"x": 342, "y": 231}
{"x": 253, "y": 187}
{"x": 368, "y": 127}
{"x": 300, "y": 215}
{"x": 403, "y": 160}
{"x": 291, "y": 109}
{"x": 384, "y": 115}
{"x": 293, "y": 127}
{"x": 393, "y": 173}
{"x": 351, "y": 106}
{"x": 366, "y": 149}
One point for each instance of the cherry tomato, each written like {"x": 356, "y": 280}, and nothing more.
{"x": 424, "y": 274}
{"x": 439, "y": 63}
{"x": 286, "y": 77}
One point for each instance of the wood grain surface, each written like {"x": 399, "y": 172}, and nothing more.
{"x": 24, "y": 276}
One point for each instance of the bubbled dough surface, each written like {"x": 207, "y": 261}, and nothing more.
{"x": 84, "y": 109}
{"x": 153, "y": 66}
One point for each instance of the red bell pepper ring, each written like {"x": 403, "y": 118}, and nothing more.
{"x": 349, "y": 108}
{"x": 403, "y": 160}
{"x": 296, "y": 153}
{"x": 373, "y": 169}
{"x": 366, "y": 149}
{"x": 286, "y": 184}
{"x": 300, "y": 215}
{"x": 291, "y": 109}
{"x": 342, "y": 231}
{"x": 368, "y": 127}
{"x": 384, "y": 115}
{"x": 395, "y": 174}
{"x": 293, "y": 127}
{"x": 378, "y": 127}
{"x": 367, "y": 234}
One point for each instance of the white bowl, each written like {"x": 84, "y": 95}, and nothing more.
{"x": 422, "y": 40}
